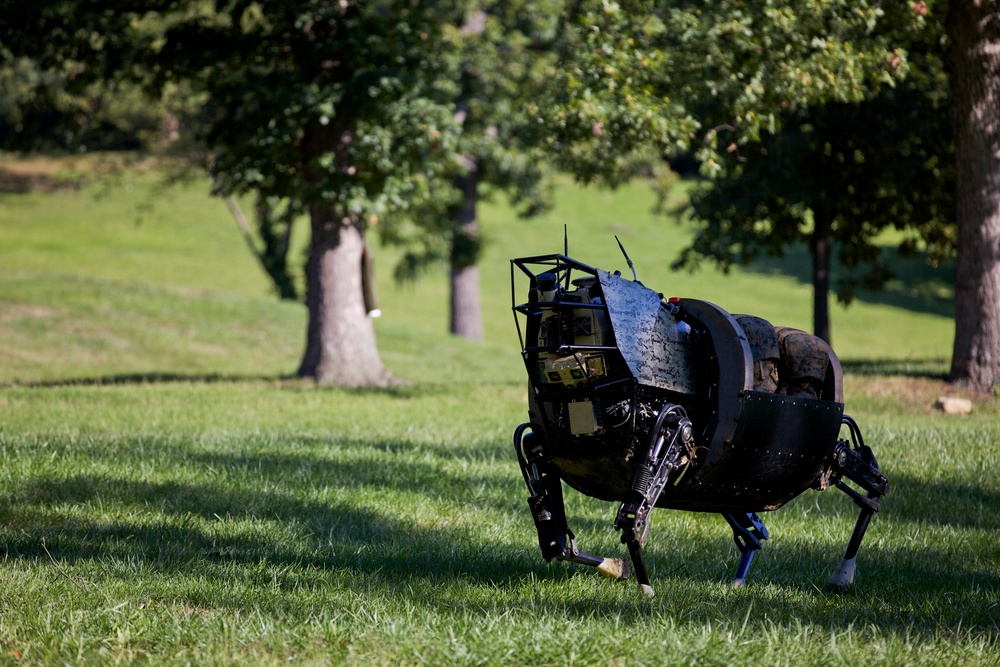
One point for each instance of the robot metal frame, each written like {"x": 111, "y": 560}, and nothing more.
{"x": 675, "y": 403}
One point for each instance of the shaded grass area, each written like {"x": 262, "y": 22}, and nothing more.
{"x": 224, "y": 522}
{"x": 936, "y": 369}
{"x": 917, "y": 285}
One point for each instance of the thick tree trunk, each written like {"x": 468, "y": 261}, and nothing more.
{"x": 821, "y": 245}
{"x": 974, "y": 33}
{"x": 466, "y": 314}
{"x": 340, "y": 338}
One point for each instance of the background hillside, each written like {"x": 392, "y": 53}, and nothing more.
{"x": 120, "y": 274}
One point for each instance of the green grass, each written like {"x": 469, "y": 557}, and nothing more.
{"x": 169, "y": 495}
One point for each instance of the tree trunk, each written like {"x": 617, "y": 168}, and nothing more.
{"x": 974, "y": 34}
{"x": 340, "y": 337}
{"x": 821, "y": 244}
{"x": 466, "y": 314}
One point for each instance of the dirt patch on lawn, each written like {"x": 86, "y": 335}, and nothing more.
{"x": 14, "y": 313}
{"x": 914, "y": 395}
{"x": 37, "y": 176}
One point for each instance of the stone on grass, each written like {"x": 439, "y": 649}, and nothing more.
{"x": 952, "y": 405}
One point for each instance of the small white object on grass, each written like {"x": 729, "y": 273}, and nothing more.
{"x": 952, "y": 405}
{"x": 614, "y": 568}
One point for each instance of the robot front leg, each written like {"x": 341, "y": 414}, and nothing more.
{"x": 555, "y": 538}
{"x": 672, "y": 437}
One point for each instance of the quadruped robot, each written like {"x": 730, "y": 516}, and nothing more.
{"x": 675, "y": 403}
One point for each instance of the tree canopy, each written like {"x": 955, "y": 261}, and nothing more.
{"x": 501, "y": 58}
{"x": 829, "y": 120}
{"x": 837, "y": 175}
{"x": 339, "y": 109}
{"x": 641, "y": 74}
{"x": 781, "y": 103}
{"x": 823, "y": 118}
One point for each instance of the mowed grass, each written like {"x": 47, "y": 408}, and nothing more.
{"x": 169, "y": 494}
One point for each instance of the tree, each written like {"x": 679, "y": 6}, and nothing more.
{"x": 501, "y": 64}
{"x": 837, "y": 174}
{"x": 340, "y": 108}
{"x": 974, "y": 35}
{"x": 501, "y": 58}
{"x": 757, "y": 77}
{"x": 640, "y": 75}
{"x": 934, "y": 140}
{"x": 43, "y": 110}
{"x": 58, "y": 92}
{"x": 738, "y": 75}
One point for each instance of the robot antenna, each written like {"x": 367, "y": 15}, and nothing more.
{"x": 634, "y": 276}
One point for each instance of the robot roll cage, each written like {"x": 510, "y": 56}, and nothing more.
{"x": 652, "y": 403}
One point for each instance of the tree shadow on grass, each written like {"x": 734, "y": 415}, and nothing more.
{"x": 268, "y": 509}
{"x": 13, "y": 181}
{"x": 932, "y": 369}
{"x": 912, "y": 501}
{"x": 917, "y": 286}
{"x": 928, "y": 562}
{"x": 342, "y": 466}
{"x": 917, "y": 594}
{"x": 262, "y": 497}
{"x": 176, "y": 527}
{"x": 153, "y": 378}
{"x": 942, "y": 503}
{"x": 289, "y": 382}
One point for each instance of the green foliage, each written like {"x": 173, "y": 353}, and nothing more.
{"x": 796, "y": 111}
{"x": 90, "y": 43}
{"x": 879, "y": 161}
{"x": 318, "y": 102}
{"x": 613, "y": 97}
{"x": 77, "y": 87}
{"x": 346, "y": 104}
{"x": 466, "y": 249}
{"x": 40, "y": 110}
{"x": 653, "y": 75}
{"x": 885, "y": 163}
{"x": 753, "y": 63}
{"x": 499, "y": 59}
{"x": 502, "y": 58}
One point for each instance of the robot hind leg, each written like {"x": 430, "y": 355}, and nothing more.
{"x": 856, "y": 462}
{"x": 749, "y": 532}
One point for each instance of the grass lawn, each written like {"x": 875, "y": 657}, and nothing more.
{"x": 169, "y": 495}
